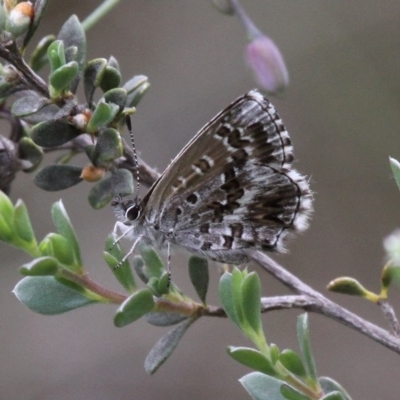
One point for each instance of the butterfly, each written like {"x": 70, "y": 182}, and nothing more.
{"x": 231, "y": 188}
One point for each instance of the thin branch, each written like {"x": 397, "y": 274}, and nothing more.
{"x": 10, "y": 53}
{"x": 324, "y": 306}
{"x": 390, "y": 315}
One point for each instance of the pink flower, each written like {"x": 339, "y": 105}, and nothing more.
{"x": 268, "y": 65}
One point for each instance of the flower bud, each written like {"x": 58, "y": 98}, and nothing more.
{"x": 92, "y": 174}
{"x": 268, "y": 65}
{"x": 20, "y": 18}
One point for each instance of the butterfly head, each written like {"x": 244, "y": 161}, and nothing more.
{"x": 127, "y": 211}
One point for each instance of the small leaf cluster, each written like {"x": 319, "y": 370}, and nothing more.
{"x": 278, "y": 374}
{"x": 56, "y": 280}
{"x": 50, "y": 117}
{"x": 52, "y": 282}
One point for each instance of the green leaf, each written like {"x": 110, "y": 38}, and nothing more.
{"x": 117, "y": 96}
{"x": 22, "y": 223}
{"x": 62, "y": 77}
{"x": 329, "y": 385}
{"x": 134, "y": 307}
{"x": 92, "y": 77}
{"x": 262, "y": 387}
{"x": 44, "y": 295}
{"x": 6, "y": 231}
{"x": 198, "y": 273}
{"x": 73, "y": 35}
{"x": 53, "y": 133}
{"x": 292, "y": 362}
{"x": 30, "y": 151}
{"x": 303, "y": 337}
{"x": 101, "y": 193}
{"x": 237, "y": 281}
{"x": 164, "y": 281}
{"x": 111, "y": 78}
{"x": 291, "y": 393}
{"x": 346, "y": 285}
{"x": 41, "y": 266}
{"x": 6, "y": 209}
{"x": 226, "y": 298}
{"x": 252, "y": 358}
{"x": 56, "y": 55}
{"x": 113, "y": 256}
{"x": 64, "y": 228}
{"x": 38, "y": 57}
{"x": 60, "y": 249}
{"x": 103, "y": 114}
{"x": 395, "y": 166}
{"x": 165, "y": 346}
{"x": 274, "y": 353}
{"x": 154, "y": 265}
{"x": 58, "y": 177}
{"x": 251, "y": 302}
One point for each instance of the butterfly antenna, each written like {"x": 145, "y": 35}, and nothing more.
{"x": 135, "y": 157}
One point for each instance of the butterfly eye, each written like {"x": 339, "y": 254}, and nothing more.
{"x": 133, "y": 212}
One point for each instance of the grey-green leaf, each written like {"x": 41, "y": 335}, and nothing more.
{"x": 28, "y": 105}
{"x": 65, "y": 228}
{"x": 226, "y": 298}
{"x": 58, "y": 177}
{"x": 395, "y": 166}
{"x": 53, "y": 133}
{"x": 134, "y": 307}
{"x": 329, "y": 385}
{"x": 199, "y": 276}
{"x": 334, "y": 396}
{"x": 165, "y": 346}
{"x": 92, "y": 77}
{"x": 109, "y": 145}
{"x": 38, "y": 58}
{"x": 262, "y": 387}
{"x": 73, "y": 34}
{"x": 122, "y": 182}
{"x": 303, "y": 337}
{"x": 44, "y": 295}
{"x": 164, "y": 318}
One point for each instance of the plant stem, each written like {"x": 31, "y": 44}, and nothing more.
{"x": 98, "y": 14}
{"x": 320, "y": 304}
{"x": 10, "y": 53}
{"x": 252, "y": 30}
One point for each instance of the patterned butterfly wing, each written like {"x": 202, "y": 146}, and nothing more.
{"x": 232, "y": 186}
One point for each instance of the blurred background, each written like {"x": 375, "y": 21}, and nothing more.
{"x": 342, "y": 112}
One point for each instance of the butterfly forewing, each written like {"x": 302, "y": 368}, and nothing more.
{"x": 232, "y": 186}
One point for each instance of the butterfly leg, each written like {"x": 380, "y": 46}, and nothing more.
{"x": 169, "y": 262}
{"x": 131, "y": 250}
{"x": 122, "y": 228}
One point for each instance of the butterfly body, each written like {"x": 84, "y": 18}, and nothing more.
{"x": 231, "y": 188}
